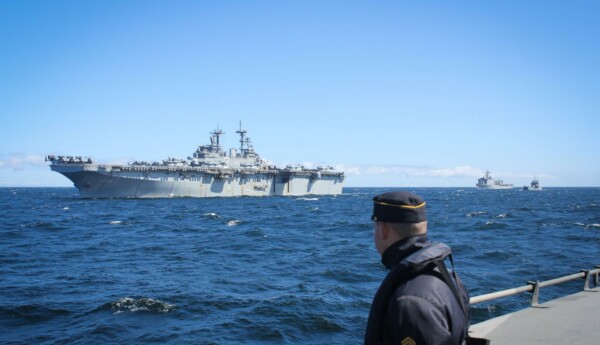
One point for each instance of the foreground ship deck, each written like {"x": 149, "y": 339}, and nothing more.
{"x": 210, "y": 172}
{"x": 568, "y": 320}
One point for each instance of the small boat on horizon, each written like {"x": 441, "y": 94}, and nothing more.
{"x": 535, "y": 185}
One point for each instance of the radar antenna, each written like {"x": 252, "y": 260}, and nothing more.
{"x": 242, "y": 133}
{"x": 216, "y": 134}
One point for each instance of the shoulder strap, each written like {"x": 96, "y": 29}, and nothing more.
{"x": 451, "y": 284}
{"x": 444, "y": 271}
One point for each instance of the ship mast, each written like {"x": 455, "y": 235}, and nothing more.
{"x": 242, "y": 133}
{"x": 216, "y": 134}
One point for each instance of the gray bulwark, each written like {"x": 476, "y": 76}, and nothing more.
{"x": 572, "y": 320}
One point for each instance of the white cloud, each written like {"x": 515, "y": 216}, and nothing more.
{"x": 460, "y": 171}
{"x": 22, "y": 161}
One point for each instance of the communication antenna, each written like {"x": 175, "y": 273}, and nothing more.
{"x": 216, "y": 134}
{"x": 242, "y": 133}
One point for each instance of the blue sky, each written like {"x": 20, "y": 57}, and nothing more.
{"x": 395, "y": 93}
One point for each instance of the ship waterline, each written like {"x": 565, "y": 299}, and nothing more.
{"x": 209, "y": 173}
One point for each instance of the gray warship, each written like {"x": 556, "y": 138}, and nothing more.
{"x": 487, "y": 182}
{"x": 210, "y": 172}
{"x": 535, "y": 185}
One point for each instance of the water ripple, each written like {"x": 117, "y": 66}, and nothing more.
{"x": 258, "y": 270}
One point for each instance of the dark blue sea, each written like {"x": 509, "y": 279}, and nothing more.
{"x": 278, "y": 270}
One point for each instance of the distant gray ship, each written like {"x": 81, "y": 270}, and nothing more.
{"x": 487, "y": 182}
{"x": 535, "y": 185}
{"x": 210, "y": 172}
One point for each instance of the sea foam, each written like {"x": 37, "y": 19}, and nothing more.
{"x": 128, "y": 304}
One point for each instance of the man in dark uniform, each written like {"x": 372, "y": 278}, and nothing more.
{"x": 419, "y": 301}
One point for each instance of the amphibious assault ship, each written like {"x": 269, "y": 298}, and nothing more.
{"x": 210, "y": 172}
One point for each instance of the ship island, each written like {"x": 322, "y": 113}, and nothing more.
{"x": 209, "y": 172}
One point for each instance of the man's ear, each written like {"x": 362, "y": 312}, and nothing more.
{"x": 385, "y": 231}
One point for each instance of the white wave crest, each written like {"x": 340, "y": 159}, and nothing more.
{"x": 233, "y": 222}
{"x": 308, "y": 199}
{"x": 115, "y": 222}
{"x": 128, "y": 304}
{"x": 210, "y": 215}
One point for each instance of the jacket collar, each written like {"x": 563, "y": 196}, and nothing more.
{"x": 403, "y": 248}
{"x": 413, "y": 251}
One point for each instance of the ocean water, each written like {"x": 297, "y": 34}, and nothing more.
{"x": 279, "y": 270}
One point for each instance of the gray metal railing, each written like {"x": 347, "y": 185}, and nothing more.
{"x": 535, "y": 286}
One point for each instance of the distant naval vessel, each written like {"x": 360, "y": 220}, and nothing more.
{"x": 535, "y": 185}
{"x": 210, "y": 172}
{"x": 487, "y": 182}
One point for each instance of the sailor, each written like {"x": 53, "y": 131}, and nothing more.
{"x": 419, "y": 301}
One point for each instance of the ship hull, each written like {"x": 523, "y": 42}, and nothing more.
{"x": 495, "y": 186}
{"x": 532, "y": 189}
{"x": 95, "y": 183}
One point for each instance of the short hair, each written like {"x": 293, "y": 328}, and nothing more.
{"x": 409, "y": 229}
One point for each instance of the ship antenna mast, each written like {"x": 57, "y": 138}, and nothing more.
{"x": 217, "y": 133}
{"x": 242, "y": 133}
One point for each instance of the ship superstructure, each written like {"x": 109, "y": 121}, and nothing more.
{"x": 487, "y": 182}
{"x": 209, "y": 172}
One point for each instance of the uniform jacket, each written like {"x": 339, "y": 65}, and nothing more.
{"x": 414, "y": 305}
